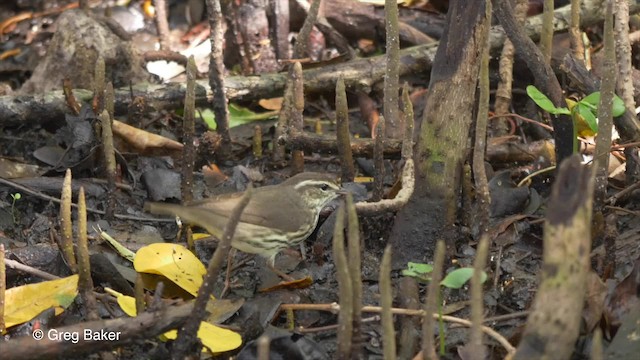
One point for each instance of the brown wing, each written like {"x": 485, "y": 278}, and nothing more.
{"x": 213, "y": 223}
{"x": 269, "y": 206}
{"x": 212, "y": 213}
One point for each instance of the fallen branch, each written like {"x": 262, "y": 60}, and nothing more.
{"x": 96, "y": 335}
{"x": 18, "y": 109}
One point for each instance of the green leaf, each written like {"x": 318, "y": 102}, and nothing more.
{"x": 543, "y": 101}
{"x": 588, "y": 116}
{"x": 418, "y": 271}
{"x": 593, "y": 99}
{"x": 618, "y": 106}
{"x": 238, "y": 115}
{"x": 419, "y": 268}
{"x": 457, "y": 278}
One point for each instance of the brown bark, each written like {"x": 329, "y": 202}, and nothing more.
{"x": 554, "y": 323}
{"x": 442, "y": 145}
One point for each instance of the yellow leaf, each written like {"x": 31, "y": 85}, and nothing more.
{"x": 23, "y": 303}
{"x": 173, "y": 261}
{"x": 199, "y": 236}
{"x": 582, "y": 127}
{"x": 214, "y": 338}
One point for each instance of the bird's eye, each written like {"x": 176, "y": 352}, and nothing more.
{"x": 324, "y": 187}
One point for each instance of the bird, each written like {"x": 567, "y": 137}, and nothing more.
{"x": 276, "y": 217}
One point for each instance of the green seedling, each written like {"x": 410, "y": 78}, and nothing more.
{"x": 454, "y": 280}
{"x": 583, "y": 113}
{"x": 238, "y": 115}
{"x": 15, "y": 197}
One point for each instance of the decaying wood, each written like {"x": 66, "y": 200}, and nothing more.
{"x": 16, "y": 110}
{"x": 129, "y": 330}
{"x": 311, "y": 143}
{"x": 554, "y": 323}
{"x": 360, "y": 73}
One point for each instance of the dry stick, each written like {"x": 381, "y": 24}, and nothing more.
{"x": 431, "y": 304}
{"x": 605, "y": 116}
{"x": 12, "y": 264}
{"x": 468, "y": 211}
{"x": 386, "y": 302}
{"x": 110, "y": 163}
{"x": 378, "y": 161}
{"x": 85, "y": 283}
{"x": 503, "y": 92}
{"x": 407, "y": 141}
{"x": 188, "y": 128}
{"x": 483, "y": 200}
{"x": 345, "y": 288}
{"x": 391, "y": 77}
{"x": 98, "y": 86}
{"x": 263, "y": 347}
{"x": 139, "y": 294}
{"x": 187, "y": 336}
{"x": 546, "y": 80}
{"x": 335, "y": 309}
{"x": 328, "y": 145}
{"x": 284, "y": 126}
{"x": 577, "y": 45}
{"x": 162, "y": 23}
{"x": 109, "y": 99}
{"x": 408, "y": 297}
{"x": 408, "y": 186}
{"x": 279, "y": 17}
{"x": 156, "y": 302}
{"x": 216, "y": 75}
{"x": 257, "y": 142}
{"x": 3, "y": 287}
{"x": 70, "y": 99}
{"x": 546, "y": 33}
{"x": 624, "y": 85}
{"x": 304, "y": 330}
{"x": 477, "y": 308}
{"x": 343, "y": 136}
{"x": 295, "y": 116}
{"x": 355, "y": 270}
{"x": 66, "y": 228}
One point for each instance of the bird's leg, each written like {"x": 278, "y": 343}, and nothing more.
{"x": 271, "y": 265}
{"x": 227, "y": 283}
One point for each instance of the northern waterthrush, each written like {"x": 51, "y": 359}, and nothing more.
{"x": 277, "y": 216}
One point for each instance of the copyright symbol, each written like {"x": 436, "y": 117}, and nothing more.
{"x": 38, "y": 334}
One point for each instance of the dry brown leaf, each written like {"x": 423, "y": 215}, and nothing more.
{"x": 143, "y": 140}
{"x": 271, "y": 104}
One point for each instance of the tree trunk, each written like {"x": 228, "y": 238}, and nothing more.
{"x": 442, "y": 146}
